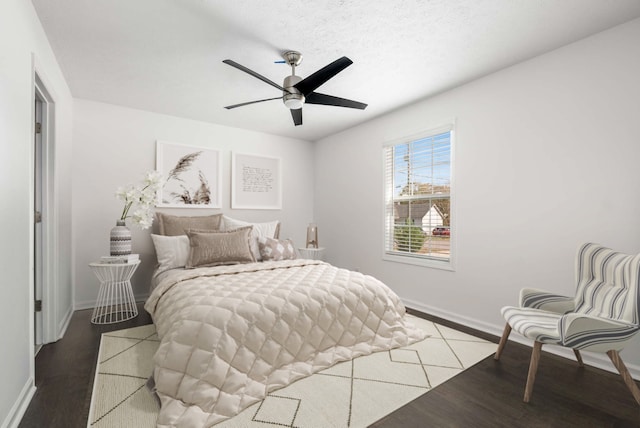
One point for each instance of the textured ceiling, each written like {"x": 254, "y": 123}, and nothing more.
{"x": 166, "y": 56}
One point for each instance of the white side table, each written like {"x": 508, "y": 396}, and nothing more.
{"x": 115, "y": 299}
{"x": 312, "y": 253}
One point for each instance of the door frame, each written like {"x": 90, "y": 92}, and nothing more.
{"x": 50, "y": 276}
{"x": 38, "y": 170}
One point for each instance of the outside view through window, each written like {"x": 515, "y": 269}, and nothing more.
{"x": 418, "y": 207}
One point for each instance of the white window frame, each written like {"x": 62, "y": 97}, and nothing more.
{"x": 388, "y": 221}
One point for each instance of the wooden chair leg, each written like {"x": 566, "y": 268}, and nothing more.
{"x": 503, "y": 341}
{"x": 533, "y": 368}
{"x": 578, "y": 357}
{"x": 626, "y": 376}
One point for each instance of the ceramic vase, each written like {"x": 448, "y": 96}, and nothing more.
{"x": 120, "y": 239}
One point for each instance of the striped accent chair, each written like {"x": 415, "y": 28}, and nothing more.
{"x": 602, "y": 317}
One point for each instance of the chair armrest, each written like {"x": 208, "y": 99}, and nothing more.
{"x": 539, "y": 299}
{"x": 581, "y": 331}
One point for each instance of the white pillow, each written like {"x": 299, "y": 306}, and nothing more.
{"x": 172, "y": 251}
{"x": 268, "y": 229}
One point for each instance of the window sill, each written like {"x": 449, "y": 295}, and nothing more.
{"x": 419, "y": 261}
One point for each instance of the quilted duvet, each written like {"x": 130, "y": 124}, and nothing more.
{"x": 231, "y": 334}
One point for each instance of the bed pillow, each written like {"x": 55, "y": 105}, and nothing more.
{"x": 171, "y": 251}
{"x": 276, "y": 249}
{"x": 173, "y": 225}
{"x": 213, "y": 248}
{"x": 270, "y": 229}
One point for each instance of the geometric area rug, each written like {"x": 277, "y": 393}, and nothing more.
{"x": 353, "y": 393}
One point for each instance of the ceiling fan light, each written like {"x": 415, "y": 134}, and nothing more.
{"x": 293, "y": 101}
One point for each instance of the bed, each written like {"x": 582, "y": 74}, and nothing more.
{"x": 232, "y": 332}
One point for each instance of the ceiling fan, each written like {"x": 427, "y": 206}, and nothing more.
{"x": 297, "y": 91}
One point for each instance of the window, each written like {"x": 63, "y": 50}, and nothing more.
{"x": 418, "y": 219}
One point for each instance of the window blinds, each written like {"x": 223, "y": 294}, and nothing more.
{"x": 418, "y": 196}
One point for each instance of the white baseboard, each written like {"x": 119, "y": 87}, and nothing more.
{"x": 81, "y": 306}
{"x": 600, "y": 361}
{"x": 64, "y": 324}
{"x": 20, "y": 406}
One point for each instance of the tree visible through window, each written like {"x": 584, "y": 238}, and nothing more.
{"x": 418, "y": 197}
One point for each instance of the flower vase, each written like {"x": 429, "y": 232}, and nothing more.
{"x": 120, "y": 239}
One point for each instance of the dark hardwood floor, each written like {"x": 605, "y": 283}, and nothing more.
{"x": 486, "y": 395}
{"x": 65, "y": 372}
{"x": 490, "y": 395}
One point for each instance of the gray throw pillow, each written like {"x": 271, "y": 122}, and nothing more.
{"x": 213, "y": 248}
{"x": 173, "y": 225}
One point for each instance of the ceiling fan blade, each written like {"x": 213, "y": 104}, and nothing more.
{"x": 330, "y": 100}
{"x": 251, "y": 102}
{"x": 313, "y": 82}
{"x": 296, "y": 114}
{"x": 253, "y": 73}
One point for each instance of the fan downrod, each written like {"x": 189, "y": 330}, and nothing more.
{"x": 292, "y": 98}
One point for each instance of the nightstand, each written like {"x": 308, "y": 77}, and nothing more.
{"x": 312, "y": 253}
{"x": 115, "y": 299}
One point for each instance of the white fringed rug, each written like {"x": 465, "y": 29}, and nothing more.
{"x": 350, "y": 394}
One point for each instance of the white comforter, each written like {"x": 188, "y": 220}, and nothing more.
{"x": 231, "y": 334}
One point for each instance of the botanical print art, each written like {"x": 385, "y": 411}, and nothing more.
{"x": 190, "y": 176}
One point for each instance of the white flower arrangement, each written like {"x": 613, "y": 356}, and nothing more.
{"x": 143, "y": 196}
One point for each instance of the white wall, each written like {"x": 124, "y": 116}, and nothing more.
{"x": 114, "y": 146}
{"x": 546, "y": 158}
{"x": 21, "y": 36}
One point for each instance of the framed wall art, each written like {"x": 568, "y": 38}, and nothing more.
{"x": 256, "y": 182}
{"x": 190, "y": 176}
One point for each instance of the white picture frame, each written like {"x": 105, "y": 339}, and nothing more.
{"x": 191, "y": 176}
{"x": 256, "y": 182}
